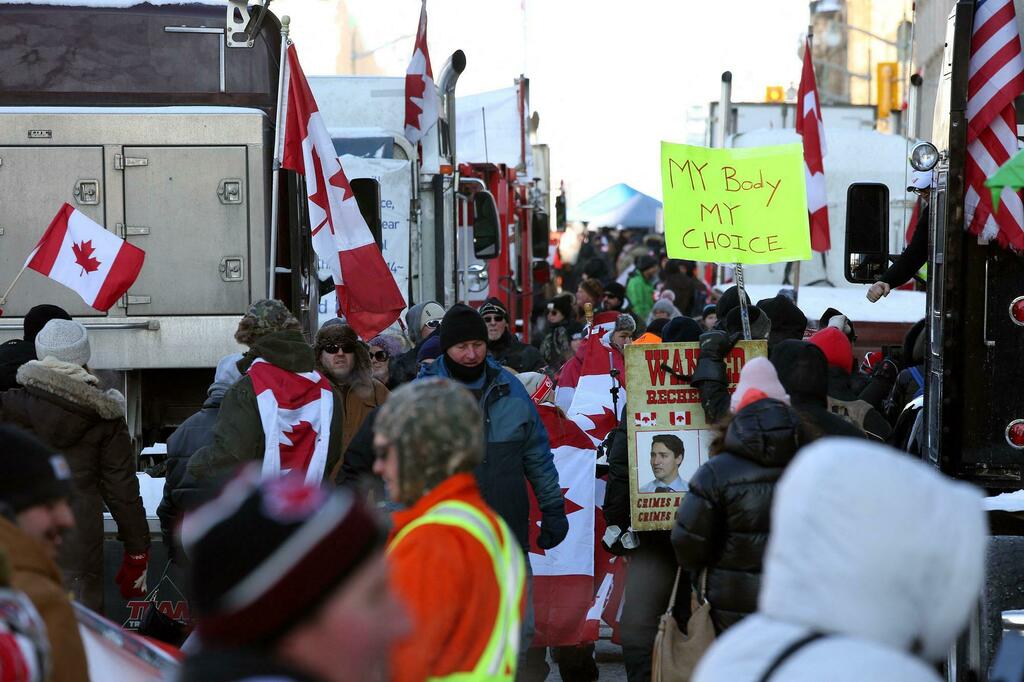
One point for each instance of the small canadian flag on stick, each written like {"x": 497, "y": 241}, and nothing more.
{"x": 82, "y": 255}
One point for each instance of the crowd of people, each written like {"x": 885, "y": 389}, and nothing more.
{"x": 274, "y": 489}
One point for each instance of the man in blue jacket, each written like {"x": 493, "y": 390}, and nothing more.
{"x": 517, "y": 444}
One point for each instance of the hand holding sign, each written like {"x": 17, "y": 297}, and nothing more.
{"x": 743, "y": 205}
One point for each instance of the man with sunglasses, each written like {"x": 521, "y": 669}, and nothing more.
{"x": 503, "y": 345}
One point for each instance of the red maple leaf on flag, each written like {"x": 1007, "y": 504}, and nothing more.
{"x": 603, "y": 423}
{"x": 570, "y": 507}
{"x": 297, "y": 442}
{"x": 83, "y": 256}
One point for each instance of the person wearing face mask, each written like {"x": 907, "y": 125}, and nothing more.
{"x": 516, "y": 448}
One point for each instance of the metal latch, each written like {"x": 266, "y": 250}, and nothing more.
{"x": 121, "y": 162}
{"x": 239, "y": 22}
{"x": 131, "y": 230}
{"x": 230, "y": 191}
{"x": 134, "y": 300}
{"x": 231, "y": 269}
{"x": 87, "y": 192}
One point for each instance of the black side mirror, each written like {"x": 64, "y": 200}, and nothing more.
{"x": 367, "y": 192}
{"x": 867, "y": 232}
{"x": 560, "y": 213}
{"x": 486, "y": 226}
{"x": 540, "y": 234}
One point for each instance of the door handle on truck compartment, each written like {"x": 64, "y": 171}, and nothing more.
{"x": 984, "y": 320}
{"x": 149, "y": 325}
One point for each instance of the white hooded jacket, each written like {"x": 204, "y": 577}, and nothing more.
{"x": 879, "y": 552}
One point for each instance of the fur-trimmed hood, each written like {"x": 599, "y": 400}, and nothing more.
{"x": 72, "y": 383}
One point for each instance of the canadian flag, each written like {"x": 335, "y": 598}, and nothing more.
{"x": 82, "y": 255}
{"x": 644, "y": 419}
{"x": 420, "y": 94}
{"x": 296, "y": 410}
{"x": 679, "y": 418}
{"x": 367, "y": 293}
{"x": 809, "y": 126}
{"x": 563, "y": 577}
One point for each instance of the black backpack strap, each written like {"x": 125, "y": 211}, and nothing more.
{"x": 789, "y": 651}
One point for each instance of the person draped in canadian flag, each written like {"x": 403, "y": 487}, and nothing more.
{"x": 282, "y": 411}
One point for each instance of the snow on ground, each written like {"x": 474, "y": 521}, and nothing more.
{"x": 1008, "y": 502}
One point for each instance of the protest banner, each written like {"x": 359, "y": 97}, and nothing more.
{"x": 735, "y": 205}
{"x": 667, "y": 433}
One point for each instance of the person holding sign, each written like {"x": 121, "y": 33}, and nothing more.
{"x": 723, "y": 522}
{"x": 666, "y": 458}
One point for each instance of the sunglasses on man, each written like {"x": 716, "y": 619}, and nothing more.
{"x": 380, "y": 355}
{"x": 333, "y": 348}
{"x": 493, "y": 319}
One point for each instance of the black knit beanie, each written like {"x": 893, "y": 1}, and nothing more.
{"x": 266, "y": 552}
{"x": 461, "y": 323}
{"x": 38, "y": 316}
{"x": 563, "y": 304}
{"x": 31, "y": 473}
{"x": 788, "y": 321}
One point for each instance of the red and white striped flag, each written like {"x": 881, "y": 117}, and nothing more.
{"x": 995, "y": 79}
{"x": 367, "y": 293}
{"x": 809, "y": 126}
{"x": 84, "y": 256}
{"x": 420, "y": 94}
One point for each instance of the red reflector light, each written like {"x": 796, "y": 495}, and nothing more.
{"x": 1015, "y": 434}
{"x": 1017, "y": 310}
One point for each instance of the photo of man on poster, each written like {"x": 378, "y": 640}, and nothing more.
{"x": 666, "y": 455}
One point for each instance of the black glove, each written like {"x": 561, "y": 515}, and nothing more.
{"x": 553, "y": 529}
{"x": 716, "y": 344}
{"x": 887, "y": 370}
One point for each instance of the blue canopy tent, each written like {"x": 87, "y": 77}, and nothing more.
{"x": 618, "y": 206}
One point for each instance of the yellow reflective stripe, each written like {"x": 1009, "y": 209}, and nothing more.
{"x": 510, "y": 571}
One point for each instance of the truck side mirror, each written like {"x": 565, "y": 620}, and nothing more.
{"x": 867, "y": 232}
{"x": 367, "y": 193}
{"x": 541, "y": 272}
{"x": 486, "y": 226}
{"x": 540, "y": 234}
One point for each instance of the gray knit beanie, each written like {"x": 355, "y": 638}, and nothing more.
{"x": 65, "y": 340}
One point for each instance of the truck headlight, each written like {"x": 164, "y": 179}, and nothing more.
{"x": 924, "y": 156}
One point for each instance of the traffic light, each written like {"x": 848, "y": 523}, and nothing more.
{"x": 774, "y": 93}
{"x": 888, "y": 83}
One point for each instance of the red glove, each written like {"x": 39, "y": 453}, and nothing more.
{"x": 131, "y": 577}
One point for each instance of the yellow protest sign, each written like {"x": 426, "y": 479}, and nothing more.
{"x": 742, "y": 205}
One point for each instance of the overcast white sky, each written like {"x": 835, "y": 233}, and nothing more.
{"x": 610, "y": 79}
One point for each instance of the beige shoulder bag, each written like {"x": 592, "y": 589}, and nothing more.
{"x": 676, "y": 654}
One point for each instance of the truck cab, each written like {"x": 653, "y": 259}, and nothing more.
{"x": 163, "y": 132}
{"x": 973, "y": 410}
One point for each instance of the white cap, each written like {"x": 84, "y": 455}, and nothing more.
{"x": 920, "y": 180}
{"x": 65, "y": 340}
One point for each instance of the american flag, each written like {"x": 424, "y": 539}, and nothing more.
{"x": 995, "y": 79}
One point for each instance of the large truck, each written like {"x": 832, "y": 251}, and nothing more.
{"x": 973, "y": 411}
{"x": 158, "y": 122}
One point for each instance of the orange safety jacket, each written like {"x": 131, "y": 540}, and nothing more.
{"x": 458, "y": 569}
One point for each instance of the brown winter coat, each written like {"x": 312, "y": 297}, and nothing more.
{"x": 358, "y": 404}
{"x": 35, "y": 574}
{"x": 60, "y": 403}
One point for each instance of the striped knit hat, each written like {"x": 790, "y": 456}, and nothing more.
{"x": 266, "y": 553}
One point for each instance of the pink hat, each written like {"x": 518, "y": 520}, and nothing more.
{"x": 758, "y": 380}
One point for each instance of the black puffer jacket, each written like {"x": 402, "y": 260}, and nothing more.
{"x": 723, "y": 522}
{"x": 510, "y": 352}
